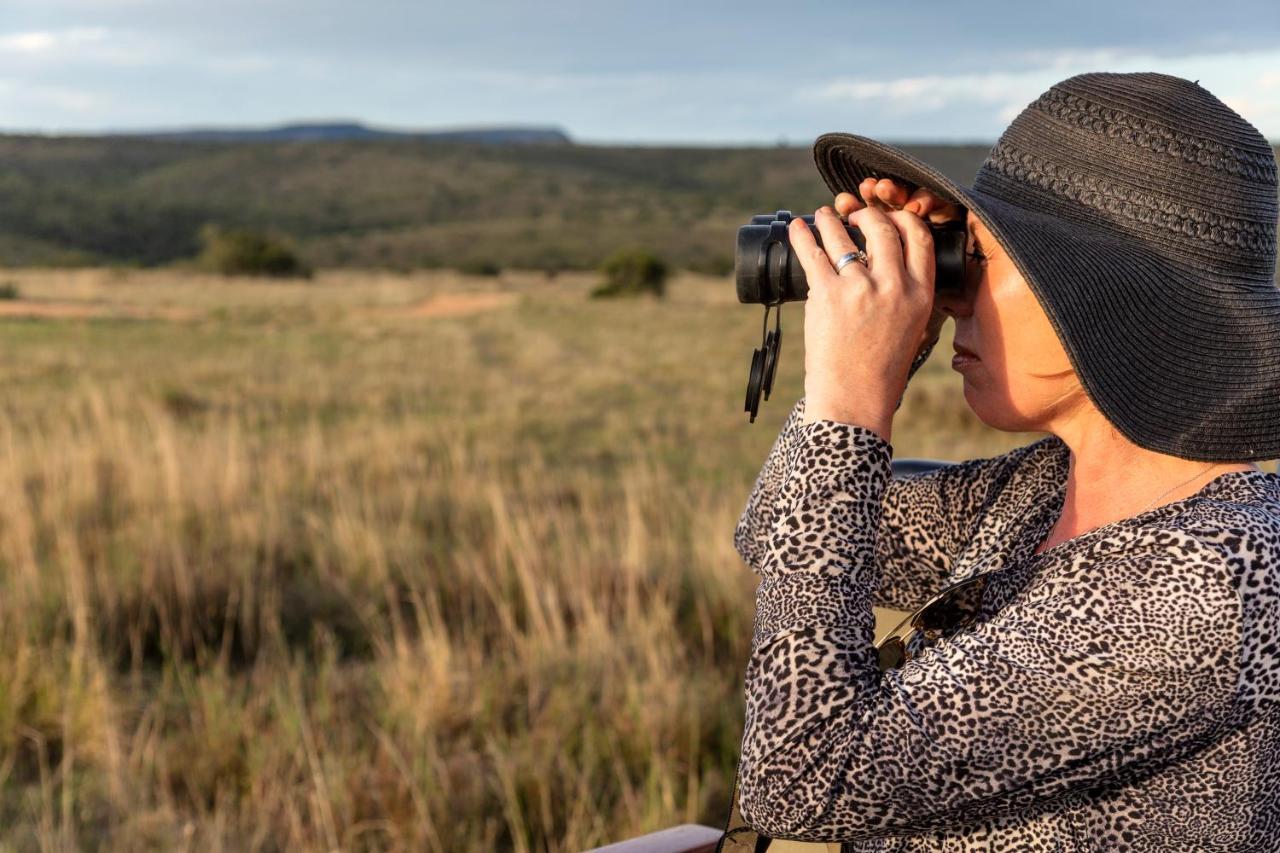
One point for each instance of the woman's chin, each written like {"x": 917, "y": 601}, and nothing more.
{"x": 990, "y": 409}
{"x": 997, "y": 411}
{"x": 974, "y": 398}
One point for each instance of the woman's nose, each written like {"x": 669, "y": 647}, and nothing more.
{"x": 954, "y": 303}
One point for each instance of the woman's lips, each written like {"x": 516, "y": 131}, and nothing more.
{"x": 963, "y": 357}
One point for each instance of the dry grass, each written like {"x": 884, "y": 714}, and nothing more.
{"x": 307, "y": 569}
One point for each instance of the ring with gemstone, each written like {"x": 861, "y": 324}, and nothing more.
{"x": 849, "y": 257}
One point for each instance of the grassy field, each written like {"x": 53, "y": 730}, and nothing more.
{"x": 411, "y": 562}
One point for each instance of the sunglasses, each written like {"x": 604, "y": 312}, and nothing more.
{"x": 950, "y": 610}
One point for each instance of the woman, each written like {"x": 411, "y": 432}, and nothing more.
{"x": 1119, "y": 688}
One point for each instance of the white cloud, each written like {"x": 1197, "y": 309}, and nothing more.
{"x": 933, "y": 89}
{"x": 1246, "y": 82}
{"x": 52, "y": 42}
{"x": 1006, "y": 94}
{"x": 77, "y": 46}
{"x": 1068, "y": 60}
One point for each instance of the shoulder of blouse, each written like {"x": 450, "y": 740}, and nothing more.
{"x": 937, "y": 506}
{"x": 1238, "y": 509}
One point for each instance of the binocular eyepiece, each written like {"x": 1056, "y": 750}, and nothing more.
{"x": 768, "y": 272}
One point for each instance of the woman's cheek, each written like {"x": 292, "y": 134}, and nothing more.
{"x": 1005, "y": 396}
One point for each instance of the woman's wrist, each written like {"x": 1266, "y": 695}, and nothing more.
{"x": 878, "y": 422}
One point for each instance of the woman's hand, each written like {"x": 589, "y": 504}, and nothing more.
{"x": 890, "y": 195}
{"x": 863, "y": 326}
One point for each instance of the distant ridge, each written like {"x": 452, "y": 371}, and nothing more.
{"x": 330, "y": 131}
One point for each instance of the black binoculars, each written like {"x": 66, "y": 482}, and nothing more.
{"x": 768, "y": 273}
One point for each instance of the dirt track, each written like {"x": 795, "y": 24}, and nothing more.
{"x": 458, "y": 304}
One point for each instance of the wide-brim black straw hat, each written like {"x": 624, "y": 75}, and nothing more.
{"x": 1141, "y": 210}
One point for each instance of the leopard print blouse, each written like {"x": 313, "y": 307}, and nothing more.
{"x": 1118, "y": 691}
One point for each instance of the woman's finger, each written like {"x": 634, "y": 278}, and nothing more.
{"x": 917, "y": 246}
{"x": 921, "y": 202}
{"x": 846, "y": 203}
{"x": 884, "y": 246}
{"x": 893, "y": 194}
{"x": 812, "y": 257}
{"x": 929, "y": 206}
{"x": 867, "y": 190}
{"x": 836, "y": 240}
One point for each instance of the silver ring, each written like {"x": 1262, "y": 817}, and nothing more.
{"x": 849, "y": 257}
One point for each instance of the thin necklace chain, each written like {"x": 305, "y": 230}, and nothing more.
{"x": 1171, "y": 488}
{"x": 1159, "y": 496}
{"x": 1139, "y": 511}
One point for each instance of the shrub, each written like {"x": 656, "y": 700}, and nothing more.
{"x": 241, "y": 251}
{"x": 479, "y": 268}
{"x": 8, "y": 290}
{"x": 632, "y": 272}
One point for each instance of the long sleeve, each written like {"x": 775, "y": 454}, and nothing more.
{"x": 1114, "y": 663}
{"x": 925, "y": 518}
{"x": 760, "y": 511}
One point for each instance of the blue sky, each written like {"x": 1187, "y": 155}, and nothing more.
{"x": 656, "y": 72}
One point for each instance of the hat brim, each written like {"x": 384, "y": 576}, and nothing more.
{"x": 1227, "y": 361}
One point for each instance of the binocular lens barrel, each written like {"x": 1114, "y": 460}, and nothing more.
{"x": 768, "y": 273}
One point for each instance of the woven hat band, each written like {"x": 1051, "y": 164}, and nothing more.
{"x": 1098, "y": 159}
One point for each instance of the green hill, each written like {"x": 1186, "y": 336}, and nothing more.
{"x": 399, "y": 203}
